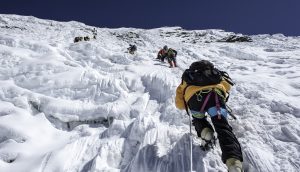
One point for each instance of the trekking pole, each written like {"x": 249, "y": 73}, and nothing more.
{"x": 191, "y": 136}
{"x": 191, "y": 142}
{"x": 230, "y": 112}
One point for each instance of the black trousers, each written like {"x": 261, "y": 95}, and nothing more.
{"x": 229, "y": 144}
{"x": 170, "y": 59}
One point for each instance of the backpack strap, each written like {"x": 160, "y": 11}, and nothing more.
{"x": 205, "y": 101}
{"x": 227, "y": 78}
{"x": 218, "y": 106}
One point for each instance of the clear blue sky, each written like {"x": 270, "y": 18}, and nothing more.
{"x": 241, "y": 16}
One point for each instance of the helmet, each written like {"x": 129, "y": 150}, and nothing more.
{"x": 201, "y": 65}
{"x": 165, "y": 47}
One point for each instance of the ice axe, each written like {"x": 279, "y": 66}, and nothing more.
{"x": 230, "y": 112}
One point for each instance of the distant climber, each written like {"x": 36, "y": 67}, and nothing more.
{"x": 86, "y": 38}
{"x": 162, "y": 54}
{"x": 81, "y": 38}
{"x": 78, "y": 38}
{"x": 94, "y": 33}
{"x": 168, "y": 53}
{"x": 132, "y": 49}
{"x": 171, "y": 57}
{"x": 204, "y": 89}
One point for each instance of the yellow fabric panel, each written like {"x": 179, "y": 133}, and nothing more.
{"x": 179, "y": 102}
{"x": 191, "y": 90}
{"x": 226, "y": 85}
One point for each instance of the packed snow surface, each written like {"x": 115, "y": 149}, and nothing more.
{"x": 90, "y": 106}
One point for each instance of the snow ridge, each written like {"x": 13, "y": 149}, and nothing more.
{"x": 90, "y": 106}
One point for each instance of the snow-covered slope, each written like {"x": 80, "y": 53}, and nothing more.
{"x": 89, "y": 106}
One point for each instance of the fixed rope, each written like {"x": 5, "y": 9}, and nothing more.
{"x": 191, "y": 143}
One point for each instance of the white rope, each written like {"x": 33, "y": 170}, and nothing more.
{"x": 191, "y": 143}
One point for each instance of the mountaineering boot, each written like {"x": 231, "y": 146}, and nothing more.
{"x": 234, "y": 165}
{"x": 208, "y": 139}
{"x": 207, "y": 134}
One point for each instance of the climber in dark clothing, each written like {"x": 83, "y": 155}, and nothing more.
{"x": 171, "y": 56}
{"x": 162, "y": 54}
{"x": 168, "y": 53}
{"x": 132, "y": 49}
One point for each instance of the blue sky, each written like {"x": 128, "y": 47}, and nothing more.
{"x": 241, "y": 16}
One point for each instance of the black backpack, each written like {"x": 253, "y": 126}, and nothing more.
{"x": 203, "y": 73}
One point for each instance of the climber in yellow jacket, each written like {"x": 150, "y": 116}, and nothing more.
{"x": 204, "y": 90}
